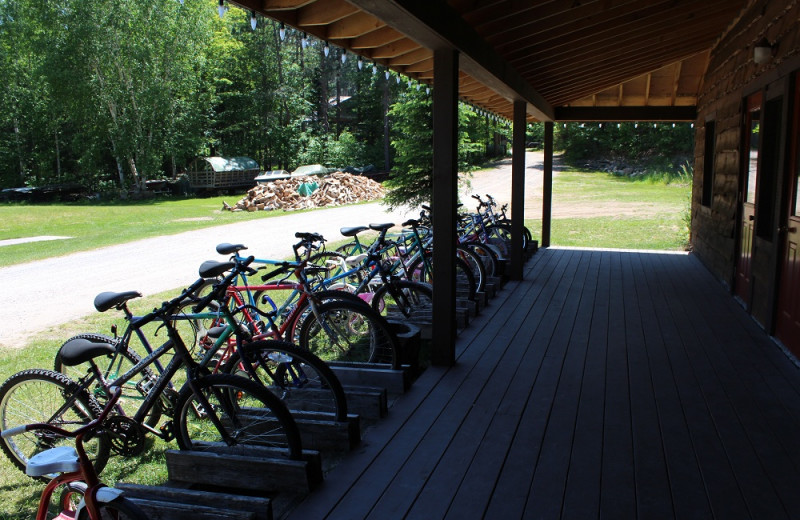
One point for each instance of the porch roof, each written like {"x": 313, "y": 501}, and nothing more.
{"x": 555, "y": 55}
{"x": 604, "y": 385}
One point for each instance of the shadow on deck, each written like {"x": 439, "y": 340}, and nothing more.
{"x": 605, "y": 385}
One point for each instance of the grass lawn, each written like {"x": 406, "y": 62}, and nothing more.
{"x": 663, "y": 226}
{"x": 97, "y": 225}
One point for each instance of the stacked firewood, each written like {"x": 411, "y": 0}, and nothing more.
{"x": 334, "y": 189}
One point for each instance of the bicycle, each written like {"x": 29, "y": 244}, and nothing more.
{"x": 334, "y": 325}
{"x": 210, "y": 408}
{"x": 83, "y": 496}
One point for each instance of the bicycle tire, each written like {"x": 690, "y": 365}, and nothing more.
{"x": 303, "y": 311}
{"x": 133, "y": 391}
{"x": 475, "y": 265}
{"x": 298, "y": 377}
{"x": 465, "y": 280}
{"x": 349, "y": 331}
{"x": 37, "y": 396}
{"x": 404, "y": 299}
{"x": 487, "y": 255}
{"x": 68, "y": 499}
{"x": 252, "y": 416}
{"x": 121, "y": 508}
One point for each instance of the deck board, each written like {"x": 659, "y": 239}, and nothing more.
{"x": 605, "y": 385}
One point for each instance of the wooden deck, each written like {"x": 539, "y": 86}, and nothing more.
{"x": 606, "y": 385}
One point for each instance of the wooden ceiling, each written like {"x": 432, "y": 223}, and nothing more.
{"x": 564, "y": 57}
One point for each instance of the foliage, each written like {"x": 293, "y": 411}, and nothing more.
{"x": 659, "y": 147}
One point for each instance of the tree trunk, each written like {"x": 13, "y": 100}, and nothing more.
{"x": 137, "y": 183}
{"x": 18, "y": 142}
{"x": 386, "y": 139}
{"x": 58, "y": 156}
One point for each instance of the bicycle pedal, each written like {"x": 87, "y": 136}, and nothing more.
{"x": 167, "y": 431}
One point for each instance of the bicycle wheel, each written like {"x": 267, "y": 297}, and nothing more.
{"x": 487, "y": 255}
{"x": 233, "y": 411}
{"x": 299, "y": 378}
{"x": 404, "y": 299}
{"x": 45, "y": 396}
{"x": 120, "y": 508}
{"x": 349, "y": 331}
{"x": 465, "y": 280}
{"x": 68, "y": 500}
{"x": 475, "y": 264}
{"x": 115, "y": 365}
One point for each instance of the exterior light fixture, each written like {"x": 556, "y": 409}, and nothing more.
{"x": 221, "y": 8}
{"x": 304, "y": 41}
{"x": 282, "y": 32}
{"x": 344, "y": 55}
{"x": 253, "y": 20}
{"x": 763, "y": 51}
{"x": 387, "y": 74}
{"x": 398, "y": 79}
{"x": 374, "y": 69}
{"x": 326, "y": 49}
{"x": 360, "y": 63}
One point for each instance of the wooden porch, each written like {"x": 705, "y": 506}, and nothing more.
{"x": 605, "y": 385}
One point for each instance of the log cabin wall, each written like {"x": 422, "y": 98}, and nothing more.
{"x": 733, "y": 75}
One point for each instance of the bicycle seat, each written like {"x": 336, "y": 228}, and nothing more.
{"x": 381, "y": 227}
{"x": 79, "y": 350}
{"x": 212, "y": 269}
{"x": 63, "y": 459}
{"x": 107, "y": 300}
{"x": 228, "y": 249}
{"x": 353, "y": 261}
{"x": 352, "y": 231}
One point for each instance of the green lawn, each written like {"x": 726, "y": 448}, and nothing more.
{"x": 93, "y": 226}
{"x": 97, "y": 225}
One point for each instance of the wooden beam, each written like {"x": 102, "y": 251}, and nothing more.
{"x": 283, "y": 5}
{"x": 324, "y": 13}
{"x": 547, "y": 184}
{"x": 435, "y": 25}
{"x": 409, "y": 58}
{"x": 444, "y": 200}
{"x": 353, "y": 26}
{"x": 518, "y": 189}
{"x": 395, "y": 49}
{"x": 616, "y": 114}
{"x": 383, "y": 36}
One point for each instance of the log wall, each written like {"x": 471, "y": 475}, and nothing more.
{"x": 731, "y": 76}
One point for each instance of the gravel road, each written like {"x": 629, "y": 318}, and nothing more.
{"x": 63, "y": 289}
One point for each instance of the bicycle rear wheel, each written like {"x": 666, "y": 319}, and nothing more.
{"x": 113, "y": 366}
{"x": 299, "y": 378}
{"x": 45, "y": 396}
{"x": 233, "y": 411}
{"x": 120, "y": 508}
{"x": 349, "y": 331}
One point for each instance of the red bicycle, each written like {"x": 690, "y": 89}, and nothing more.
{"x": 83, "y": 496}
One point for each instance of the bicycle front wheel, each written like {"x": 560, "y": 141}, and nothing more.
{"x": 120, "y": 508}
{"x": 233, "y": 411}
{"x": 349, "y": 331}
{"x": 45, "y": 396}
{"x": 299, "y": 378}
{"x": 404, "y": 299}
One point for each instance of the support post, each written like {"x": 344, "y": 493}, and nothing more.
{"x": 547, "y": 184}
{"x": 518, "y": 189}
{"x": 444, "y": 200}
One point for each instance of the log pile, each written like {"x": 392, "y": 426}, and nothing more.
{"x": 334, "y": 189}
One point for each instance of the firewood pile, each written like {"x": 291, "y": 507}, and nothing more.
{"x": 334, "y": 189}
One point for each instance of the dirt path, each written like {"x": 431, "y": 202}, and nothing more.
{"x": 496, "y": 181}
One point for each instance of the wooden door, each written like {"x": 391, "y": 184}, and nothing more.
{"x": 747, "y": 200}
{"x": 787, "y": 325}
